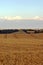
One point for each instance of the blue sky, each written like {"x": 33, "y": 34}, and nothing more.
{"x": 23, "y": 8}
{"x": 21, "y": 14}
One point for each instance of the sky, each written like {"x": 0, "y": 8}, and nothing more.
{"x": 21, "y": 24}
{"x": 22, "y": 8}
{"x": 12, "y": 10}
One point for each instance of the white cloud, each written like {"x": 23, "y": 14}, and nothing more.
{"x": 11, "y": 18}
{"x": 20, "y": 18}
{"x": 36, "y": 18}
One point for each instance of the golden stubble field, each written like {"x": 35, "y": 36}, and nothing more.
{"x": 21, "y": 49}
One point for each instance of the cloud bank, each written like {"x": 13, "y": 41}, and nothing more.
{"x": 20, "y": 18}
{"x": 11, "y": 18}
{"x": 37, "y": 18}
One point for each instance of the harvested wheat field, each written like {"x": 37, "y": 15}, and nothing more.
{"x": 21, "y": 49}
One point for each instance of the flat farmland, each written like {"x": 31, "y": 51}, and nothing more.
{"x": 21, "y": 49}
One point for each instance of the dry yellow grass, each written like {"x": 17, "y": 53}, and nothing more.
{"x": 21, "y": 49}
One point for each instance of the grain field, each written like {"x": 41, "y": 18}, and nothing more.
{"x": 21, "y": 49}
